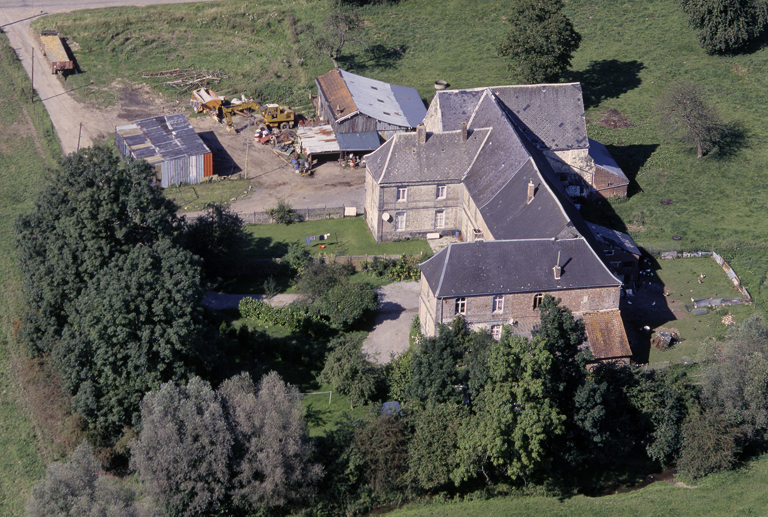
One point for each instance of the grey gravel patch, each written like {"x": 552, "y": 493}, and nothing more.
{"x": 398, "y": 305}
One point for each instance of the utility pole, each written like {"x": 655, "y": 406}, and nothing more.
{"x": 78, "y": 136}
{"x": 32, "y": 92}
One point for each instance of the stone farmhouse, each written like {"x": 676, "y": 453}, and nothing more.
{"x": 497, "y": 166}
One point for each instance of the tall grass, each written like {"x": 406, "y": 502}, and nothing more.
{"x": 27, "y": 148}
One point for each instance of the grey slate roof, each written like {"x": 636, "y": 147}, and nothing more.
{"x": 444, "y": 157}
{"x": 613, "y": 238}
{"x": 165, "y": 137}
{"x": 603, "y": 159}
{"x": 515, "y": 266}
{"x": 391, "y": 103}
{"x": 535, "y": 107}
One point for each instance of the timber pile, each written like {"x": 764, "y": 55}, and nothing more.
{"x": 196, "y": 79}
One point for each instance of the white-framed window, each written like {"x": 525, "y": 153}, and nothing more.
{"x": 441, "y": 190}
{"x": 399, "y": 221}
{"x": 537, "y": 299}
{"x": 498, "y": 303}
{"x": 402, "y": 193}
{"x": 461, "y": 306}
{"x": 439, "y": 219}
{"x": 496, "y": 332}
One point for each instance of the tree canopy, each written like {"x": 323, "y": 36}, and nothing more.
{"x": 725, "y": 26}
{"x": 540, "y": 42}
{"x": 686, "y": 115}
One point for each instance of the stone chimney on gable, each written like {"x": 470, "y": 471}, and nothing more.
{"x": 421, "y": 134}
{"x": 464, "y": 133}
{"x": 557, "y": 269}
{"x": 531, "y": 191}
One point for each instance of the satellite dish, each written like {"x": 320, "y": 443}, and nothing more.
{"x": 386, "y": 217}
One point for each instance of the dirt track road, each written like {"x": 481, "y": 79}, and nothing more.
{"x": 66, "y": 113}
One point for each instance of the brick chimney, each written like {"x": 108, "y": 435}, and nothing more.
{"x": 421, "y": 134}
{"x": 338, "y": 109}
{"x": 464, "y": 134}
{"x": 557, "y": 269}
{"x": 531, "y": 191}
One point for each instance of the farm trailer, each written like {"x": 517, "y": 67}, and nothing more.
{"x": 53, "y": 49}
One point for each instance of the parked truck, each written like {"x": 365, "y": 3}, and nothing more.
{"x": 53, "y": 49}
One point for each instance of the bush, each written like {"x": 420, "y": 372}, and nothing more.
{"x": 283, "y": 213}
{"x": 404, "y": 268}
{"x": 298, "y": 258}
{"x": 291, "y": 316}
{"x": 348, "y": 370}
{"x": 345, "y": 305}
{"x": 319, "y": 278}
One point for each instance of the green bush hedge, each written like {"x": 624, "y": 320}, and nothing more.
{"x": 291, "y": 316}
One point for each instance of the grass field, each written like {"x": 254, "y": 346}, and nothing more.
{"x": 349, "y": 236}
{"x": 740, "y": 492}
{"x": 191, "y": 198}
{"x": 27, "y": 146}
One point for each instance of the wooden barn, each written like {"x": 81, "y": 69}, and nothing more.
{"x": 355, "y": 104}
{"x": 170, "y": 144}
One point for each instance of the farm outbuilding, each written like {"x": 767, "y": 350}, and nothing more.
{"x": 356, "y": 104}
{"x": 170, "y": 144}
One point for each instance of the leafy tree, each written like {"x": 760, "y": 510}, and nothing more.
{"x": 74, "y": 489}
{"x": 383, "y": 449}
{"x": 202, "y": 452}
{"x": 540, "y": 42}
{"x": 349, "y": 371}
{"x": 298, "y": 258}
{"x": 340, "y": 27}
{"x": 215, "y": 237}
{"x": 184, "y": 448}
{"x": 271, "y": 451}
{"x": 319, "y": 277}
{"x": 725, "y": 25}
{"x": 709, "y": 444}
{"x": 433, "y": 368}
{"x": 519, "y": 418}
{"x": 137, "y": 324}
{"x": 686, "y": 115}
{"x": 93, "y": 209}
{"x": 398, "y": 375}
{"x": 283, "y": 213}
{"x": 346, "y": 304}
{"x": 432, "y": 448}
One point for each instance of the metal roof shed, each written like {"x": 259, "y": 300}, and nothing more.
{"x": 170, "y": 144}
{"x": 322, "y": 140}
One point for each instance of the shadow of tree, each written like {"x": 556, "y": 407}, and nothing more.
{"x": 734, "y": 137}
{"x": 375, "y": 56}
{"x": 607, "y": 79}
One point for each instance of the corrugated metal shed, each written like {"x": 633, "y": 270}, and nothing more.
{"x": 170, "y": 144}
{"x": 322, "y": 140}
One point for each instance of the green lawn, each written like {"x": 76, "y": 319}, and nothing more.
{"x": 349, "y": 236}
{"x": 191, "y": 198}
{"x": 740, "y": 492}
{"x": 28, "y": 145}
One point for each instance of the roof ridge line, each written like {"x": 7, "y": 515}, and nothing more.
{"x": 442, "y": 273}
{"x": 389, "y": 154}
{"x": 479, "y": 150}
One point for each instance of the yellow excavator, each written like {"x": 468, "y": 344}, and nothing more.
{"x": 273, "y": 116}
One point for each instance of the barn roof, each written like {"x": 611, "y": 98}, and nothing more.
{"x": 162, "y": 138}
{"x": 606, "y": 335}
{"x": 390, "y": 103}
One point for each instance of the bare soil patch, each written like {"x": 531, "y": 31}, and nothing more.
{"x": 612, "y": 119}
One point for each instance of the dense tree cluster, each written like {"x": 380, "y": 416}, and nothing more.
{"x": 112, "y": 294}
{"x": 236, "y": 449}
{"x": 726, "y": 26}
{"x": 540, "y": 42}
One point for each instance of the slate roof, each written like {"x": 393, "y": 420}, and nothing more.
{"x": 603, "y": 159}
{"x": 390, "y": 103}
{"x": 613, "y": 238}
{"x": 513, "y": 266}
{"x": 445, "y": 157}
{"x": 606, "y": 335}
{"x": 534, "y": 107}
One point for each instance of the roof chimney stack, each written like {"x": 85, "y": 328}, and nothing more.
{"x": 464, "y": 134}
{"x": 531, "y": 191}
{"x": 338, "y": 109}
{"x": 421, "y": 134}
{"x": 557, "y": 269}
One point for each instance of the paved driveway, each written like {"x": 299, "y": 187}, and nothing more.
{"x": 398, "y": 305}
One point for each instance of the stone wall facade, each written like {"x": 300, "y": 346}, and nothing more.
{"x": 518, "y": 308}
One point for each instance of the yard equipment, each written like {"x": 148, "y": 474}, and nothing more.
{"x": 271, "y": 115}
{"x": 53, "y": 49}
{"x": 206, "y": 100}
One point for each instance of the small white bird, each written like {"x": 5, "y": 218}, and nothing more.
{"x": 654, "y": 303}
{"x": 629, "y": 302}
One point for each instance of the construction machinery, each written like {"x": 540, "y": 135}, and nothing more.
{"x": 206, "y": 100}
{"x": 272, "y": 116}
{"x": 53, "y": 49}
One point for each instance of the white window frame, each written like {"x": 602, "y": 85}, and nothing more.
{"x": 460, "y": 306}
{"x": 441, "y": 192}
{"x": 496, "y": 331}
{"x": 439, "y": 218}
{"x": 402, "y": 194}
{"x": 498, "y": 303}
{"x": 400, "y": 221}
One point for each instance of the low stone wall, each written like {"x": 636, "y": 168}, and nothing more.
{"x": 668, "y": 255}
